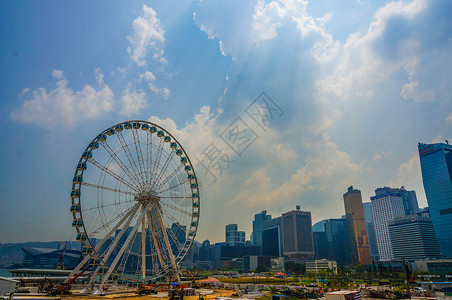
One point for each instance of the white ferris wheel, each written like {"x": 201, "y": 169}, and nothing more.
{"x": 135, "y": 205}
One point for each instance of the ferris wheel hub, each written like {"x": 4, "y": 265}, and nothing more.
{"x": 146, "y": 197}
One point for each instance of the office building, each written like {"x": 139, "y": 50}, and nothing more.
{"x": 371, "y": 237}
{"x": 258, "y": 225}
{"x": 272, "y": 238}
{"x": 337, "y": 240}
{"x": 356, "y": 227}
{"x": 320, "y": 244}
{"x": 412, "y": 237}
{"x": 234, "y": 237}
{"x": 297, "y": 234}
{"x": 436, "y": 166}
{"x": 386, "y": 207}
{"x": 409, "y": 198}
{"x": 321, "y": 264}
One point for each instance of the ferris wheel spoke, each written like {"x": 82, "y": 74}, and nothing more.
{"x": 120, "y": 163}
{"x": 165, "y": 166}
{"x": 174, "y": 237}
{"x": 174, "y": 186}
{"x": 136, "y": 140}
{"x": 106, "y": 205}
{"x": 169, "y": 176}
{"x": 157, "y": 162}
{"x": 176, "y": 222}
{"x": 176, "y": 209}
{"x": 129, "y": 156}
{"x": 147, "y": 163}
{"x": 108, "y": 188}
{"x": 109, "y": 222}
{"x": 111, "y": 173}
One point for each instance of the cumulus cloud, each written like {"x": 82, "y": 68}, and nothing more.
{"x": 133, "y": 101}
{"x": 63, "y": 105}
{"x": 147, "y": 34}
{"x": 389, "y": 46}
{"x": 326, "y": 168}
{"x": 258, "y": 21}
{"x": 150, "y": 78}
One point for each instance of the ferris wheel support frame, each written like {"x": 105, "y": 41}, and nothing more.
{"x": 87, "y": 257}
{"x": 123, "y": 248}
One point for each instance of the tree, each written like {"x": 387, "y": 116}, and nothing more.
{"x": 261, "y": 269}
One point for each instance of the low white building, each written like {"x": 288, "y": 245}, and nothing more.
{"x": 321, "y": 264}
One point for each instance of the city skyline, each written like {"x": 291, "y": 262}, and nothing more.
{"x": 331, "y": 94}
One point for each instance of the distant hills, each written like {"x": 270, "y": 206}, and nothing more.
{"x": 11, "y": 254}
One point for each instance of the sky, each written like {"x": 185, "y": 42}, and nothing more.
{"x": 327, "y": 94}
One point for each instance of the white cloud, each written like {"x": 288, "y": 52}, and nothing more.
{"x": 379, "y": 155}
{"x": 63, "y": 106}
{"x": 257, "y": 21}
{"x": 147, "y": 33}
{"x": 326, "y": 169}
{"x": 361, "y": 66}
{"x": 133, "y": 101}
{"x": 150, "y": 77}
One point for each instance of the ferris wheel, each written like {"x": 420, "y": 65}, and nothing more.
{"x": 135, "y": 205}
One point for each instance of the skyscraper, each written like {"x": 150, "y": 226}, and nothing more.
{"x": 272, "y": 237}
{"x": 413, "y": 237}
{"x": 370, "y": 228}
{"x": 357, "y": 235}
{"x": 297, "y": 234}
{"x": 233, "y": 236}
{"x": 386, "y": 207}
{"x": 258, "y": 225}
{"x": 337, "y": 239}
{"x": 409, "y": 198}
{"x": 436, "y": 166}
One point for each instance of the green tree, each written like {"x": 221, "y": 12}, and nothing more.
{"x": 261, "y": 269}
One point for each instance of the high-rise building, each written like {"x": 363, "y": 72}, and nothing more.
{"x": 234, "y": 237}
{"x": 369, "y": 219}
{"x": 231, "y": 234}
{"x": 258, "y": 225}
{"x": 412, "y": 237}
{"x": 272, "y": 238}
{"x": 386, "y": 207}
{"x": 436, "y": 166}
{"x": 337, "y": 239}
{"x": 320, "y": 244}
{"x": 297, "y": 234}
{"x": 409, "y": 198}
{"x": 356, "y": 227}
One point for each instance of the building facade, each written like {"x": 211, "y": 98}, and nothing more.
{"x": 356, "y": 227}
{"x": 258, "y": 225}
{"x": 234, "y": 237}
{"x": 436, "y": 166}
{"x": 321, "y": 264}
{"x": 412, "y": 237}
{"x": 337, "y": 241}
{"x": 409, "y": 198}
{"x": 297, "y": 234}
{"x": 272, "y": 238}
{"x": 386, "y": 207}
{"x": 370, "y": 228}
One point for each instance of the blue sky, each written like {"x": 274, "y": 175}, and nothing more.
{"x": 358, "y": 84}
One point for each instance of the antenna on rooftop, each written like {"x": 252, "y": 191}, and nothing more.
{"x": 298, "y": 207}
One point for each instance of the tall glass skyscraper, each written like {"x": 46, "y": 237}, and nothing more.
{"x": 436, "y": 165}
